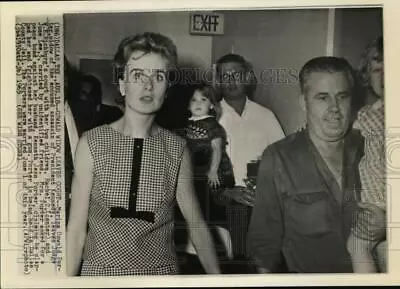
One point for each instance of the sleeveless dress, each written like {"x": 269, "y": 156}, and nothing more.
{"x": 131, "y": 209}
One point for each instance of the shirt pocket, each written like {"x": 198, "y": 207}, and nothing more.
{"x": 308, "y": 213}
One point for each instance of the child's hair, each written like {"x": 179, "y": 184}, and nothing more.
{"x": 209, "y": 92}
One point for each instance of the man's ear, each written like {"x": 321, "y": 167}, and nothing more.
{"x": 302, "y": 102}
{"x": 121, "y": 85}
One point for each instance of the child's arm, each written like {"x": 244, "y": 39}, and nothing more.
{"x": 216, "y": 145}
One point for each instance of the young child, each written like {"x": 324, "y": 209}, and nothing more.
{"x": 207, "y": 140}
{"x": 370, "y": 227}
{"x": 212, "y": 172}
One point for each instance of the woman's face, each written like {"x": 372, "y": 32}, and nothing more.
{"x": 145, "y": 82}
{"x": 199, "y": 105}
{"x": 376, "y": 80}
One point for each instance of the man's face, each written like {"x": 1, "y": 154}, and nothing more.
{"x": 145, "y": 82}
{"x": 86, "y": 91}
{"x": 232, "y": 78}
{"x": 376, "y": 75}
{"x": 327, "y": 99}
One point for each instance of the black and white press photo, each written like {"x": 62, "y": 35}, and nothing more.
{"x": 189, "y": 143}
{"x": 225, "y": 142}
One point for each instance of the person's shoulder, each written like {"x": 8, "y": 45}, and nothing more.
{"x": 211, "y": 122}
{"x": 291, "y": 153}
{"x": 290, "y": 144}
{"x": 173, "y": 143}
{"x": 355, "y": 136}
{"x": 375, "y": 108}
{"x": 215, "y": 129}
{"x": 99, "y": 139}
{"x": 171, "y": 136}
{"x": 290, "y": 141}
{"x": 95, "y": 131}
{"x": 256, "y": 106}
{"x": 260, "y": 109}
{"x": 98, "y": 133}
{"x": 364, "y": 110}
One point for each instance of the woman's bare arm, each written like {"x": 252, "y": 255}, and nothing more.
{"x": 198, "y": 230}
{"x": 78, "y": 214}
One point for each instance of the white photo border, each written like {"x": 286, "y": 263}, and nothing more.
{"x": 11, "y": 277}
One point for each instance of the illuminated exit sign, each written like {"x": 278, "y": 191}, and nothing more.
{"x": 207, "y": 23}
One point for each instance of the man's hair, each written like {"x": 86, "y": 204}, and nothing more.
{"x": 96, "y": 93}
{"x": 374, "y": 51}
{"x": 328, "y": 64}
{"x": 147, "y": 42}
{"x": 251, "y": 84}
{"x": 236, "y": 58}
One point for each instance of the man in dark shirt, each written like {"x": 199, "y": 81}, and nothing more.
{"x": 88, "y": 109}
{"x": 307, "y": 183}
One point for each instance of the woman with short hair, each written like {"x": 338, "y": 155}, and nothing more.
{"x": 130, "y": 173}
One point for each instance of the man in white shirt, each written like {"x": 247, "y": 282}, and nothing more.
{"x": 250, "y": 128}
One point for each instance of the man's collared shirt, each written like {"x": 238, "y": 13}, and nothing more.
{"x": 248, "y": 135}
{"x": 300, "y": 210}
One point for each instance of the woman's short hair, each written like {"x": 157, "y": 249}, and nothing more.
{"x": 147, "y": 42}
{"x": 374, "y": 51}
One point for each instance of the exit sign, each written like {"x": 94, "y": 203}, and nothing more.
{"x": 206, "y": 23}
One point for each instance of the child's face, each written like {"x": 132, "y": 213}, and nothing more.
{"x": 199, "y": 104}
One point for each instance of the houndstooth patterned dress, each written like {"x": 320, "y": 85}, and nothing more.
{"x": 132, "y": 202}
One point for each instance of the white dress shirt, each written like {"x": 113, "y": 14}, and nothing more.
{"x": 248, "y": 135}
